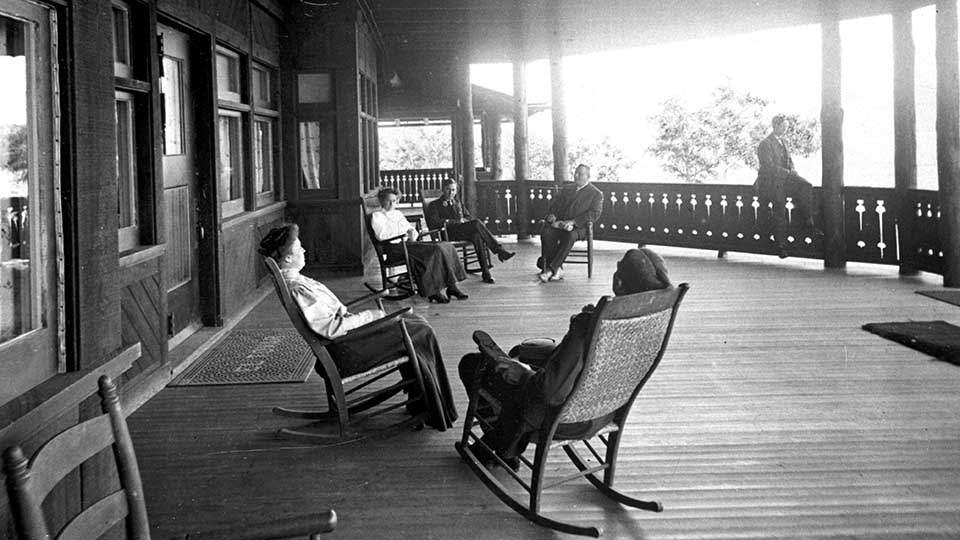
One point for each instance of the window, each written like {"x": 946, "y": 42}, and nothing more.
{"x": 32, "y": 346}
{"x": 132, "y": 95}
{"x": 317, "y": 132}
{"x": 233, "y": 135}
{"x": 265, "y": 133}
{"x": 171, "y": 86}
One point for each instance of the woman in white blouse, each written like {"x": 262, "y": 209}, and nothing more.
{"x": 436, "y": 264}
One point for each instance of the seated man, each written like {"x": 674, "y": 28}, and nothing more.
{"x": 566, "y": 222}
{"x": 526, "y": 387}
{"x": 436, "y": 264}
{"x": 447, "y": 211}
{"x": 328, "y": 317}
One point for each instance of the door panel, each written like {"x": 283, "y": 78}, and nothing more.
{"x": 180, "y": 178}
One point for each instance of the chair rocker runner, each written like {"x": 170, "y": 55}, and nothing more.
{"x": 29, "y": 483}
{"x": 343, "y": 401}
{"x": 468, "y": 252}
{"x": 626, "y": 339}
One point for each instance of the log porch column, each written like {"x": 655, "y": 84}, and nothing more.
{"x": 465, "y": 124}
{"x": 948, "y": 140}
{"x": 831, "y": 121}
{"x": 905, "y": 133}
{"x": 496, "y": 162}
{"x": 558, "y": 108}
{"x": 520, "y": 147}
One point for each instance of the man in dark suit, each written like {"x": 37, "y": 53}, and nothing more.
{"x": 447, "y": 211}
{"x": 777, "y": 179}
{"x": 566, "y": 222}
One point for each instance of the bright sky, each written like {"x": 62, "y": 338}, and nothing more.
{"x": 614, "y": 93}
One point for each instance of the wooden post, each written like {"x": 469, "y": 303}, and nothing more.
{"x": 831, "y": 120}
{"x": 905, "y": 133}
{"x": 520, "y": 147}
{"x": 948, "y": 140}
{"x": 496, "y": 164}
{"x": 558, "y": 107}
{"x": 465, "y": 120}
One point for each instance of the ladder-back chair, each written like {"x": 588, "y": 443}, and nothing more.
{"x": 626, "y": 339}
{"x": 29, "y": 483}
{"x": 468, "y": 252}
{"x": 343, "y": 406}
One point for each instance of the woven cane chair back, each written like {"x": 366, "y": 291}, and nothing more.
{"x": 628, "y": 339}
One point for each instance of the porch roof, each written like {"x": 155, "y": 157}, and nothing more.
{"x": 772, "y": 415}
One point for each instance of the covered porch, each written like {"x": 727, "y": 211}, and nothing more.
{"x": 772, "y": 415}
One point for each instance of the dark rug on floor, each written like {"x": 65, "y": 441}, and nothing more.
{"x": 252, "y": 356}
{"x": 950, "y": 296}
{"x": 936, "y": 338}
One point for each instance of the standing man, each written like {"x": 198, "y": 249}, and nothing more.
{"x": 447, "y": 211}
{"x": 566, "y": 222}
{"x": 777, "y": 179}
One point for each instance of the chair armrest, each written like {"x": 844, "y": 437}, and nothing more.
{"x": 295, "y": 526}
{"x": 375, "y": 296}
{"x": 391, "y": 239}
{"x": 442, "y": 230}
{"x": 372, "y": 326}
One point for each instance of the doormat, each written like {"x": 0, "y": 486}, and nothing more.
{"x": 252, "y": 356}
{"x": 950, "y": 296}
{"x": 936, "y": 338}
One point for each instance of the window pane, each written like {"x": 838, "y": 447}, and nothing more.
{"x": 228, "y": 76}
{"x": 315, "y": 88}
{"x": 317, "y": 155}
{"x": 171, "y": 85}
{"x": 126, "y": 164}
{"x": 263, "y": 156}
{"x": 230, "y": 159}
{"x": 121, "y": 35}
{"x": 20, "y": 303}
{"x": 263, "y": 87}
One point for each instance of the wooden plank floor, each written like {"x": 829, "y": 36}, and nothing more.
{"x": 772, "y": 415}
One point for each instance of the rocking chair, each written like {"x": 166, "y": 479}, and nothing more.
{"x": 625, "y": 341}
{"x": 338, "y": 389}
{"x": 29, "y": 483}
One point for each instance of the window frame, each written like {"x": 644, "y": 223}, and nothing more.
{"x": 232, "y": 206}
{"x": 128, "y": 237}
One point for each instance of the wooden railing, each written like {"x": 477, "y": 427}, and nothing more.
{"x": 727, "y": 217}
{"x": 410, "y": 182}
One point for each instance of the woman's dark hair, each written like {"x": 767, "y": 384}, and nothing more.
{"x": 279, "y": 240}
{"x": 385, "y": 192}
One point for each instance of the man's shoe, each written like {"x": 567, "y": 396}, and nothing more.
{"x": 457, "y": 293}
{"x": 540, "y": 263}
{"x": 558, "y": 275}
{"x": 439, "y": 298}
{"x": 487, "y": 278}
{"x": 545, "y": 276}
{"x": 504, "y": 255}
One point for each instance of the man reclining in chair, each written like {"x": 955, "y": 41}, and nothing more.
{"x": 527, "y": 386}
{"x": 328, "y": 317}
{"x": 566, "y": 222}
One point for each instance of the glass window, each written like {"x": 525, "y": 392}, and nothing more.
{"x": 128, "y": 231}
{"x": 317, "y": 152}
{"x": 263, "y": 176}
{"x": 171, "y": 85}
{"x": 228, "y": 75}
{"x": 263, "y": 87}
{"x": 230, "y": 162}
{"x": 121, "y": 40}
{"x": 315, "y": 88}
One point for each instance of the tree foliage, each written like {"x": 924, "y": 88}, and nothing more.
{"x": 702, "y": 144}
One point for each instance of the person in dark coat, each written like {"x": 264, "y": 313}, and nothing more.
{"x": 777, "y": 179}
{"x": 448, "y": 212}
{"x": 566, "y": 222}
{"x": 528, "y": 386}
{"x": 328, "y": 317}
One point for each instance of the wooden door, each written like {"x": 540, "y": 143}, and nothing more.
{"x": 31, "y": 294}
{"x": 181, "y": 178}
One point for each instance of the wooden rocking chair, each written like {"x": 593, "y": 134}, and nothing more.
{"x": 338, "y": 389}
{"x": 29, "y": 483}
{"x": 468, "y": 252}
{"x": 396, "y": 273}
{"x": 625, "y": 342}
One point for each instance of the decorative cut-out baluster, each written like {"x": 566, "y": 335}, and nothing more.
{"x": 789, "y": 206}
{"x": 860, "y": 209}
{"x": 665, "y": 201}
{"x": 508, "y": 197}
{"x": 755, "y": 204}
{"x": 723, "y": 205}
{"x": 739, "y": 205}
{"x": 708, "y": 203}
{"x": 881, "y": 210}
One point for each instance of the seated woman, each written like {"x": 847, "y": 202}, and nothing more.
{"x": 328, "y": 317}
{"x": 526, "y": 387}
{"x": 436, "y": 264}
